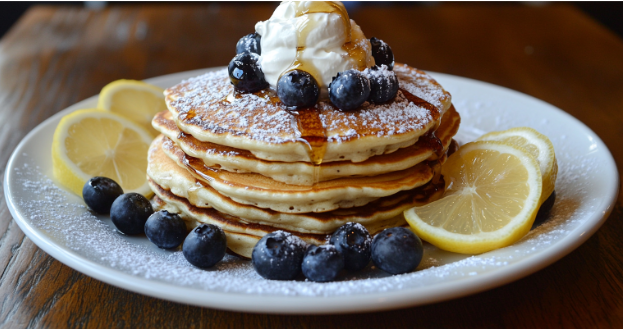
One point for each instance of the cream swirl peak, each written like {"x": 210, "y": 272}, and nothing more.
{"x": 316, "y": 37}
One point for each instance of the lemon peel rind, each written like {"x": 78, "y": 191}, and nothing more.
{"x": 106, "y": 96}
{"x": 104, "y": 102}
{"x": 517, "y": 227}
{"x": 68, "y": 174}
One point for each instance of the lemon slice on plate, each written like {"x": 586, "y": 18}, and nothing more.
{"x": 491, "y": 199}
{"x": 95, "y": 142}
{"x": 135, "y": 100}
{"x": 538, "y": 145}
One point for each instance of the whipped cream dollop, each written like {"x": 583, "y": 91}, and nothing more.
{"x": 316, "y": 37}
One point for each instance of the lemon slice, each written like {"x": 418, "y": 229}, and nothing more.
{"x": 95, "y": 142}
{"x": 135, "y": 100}
{"x": 538, "y": 145}
{"x": 491, "y": 199}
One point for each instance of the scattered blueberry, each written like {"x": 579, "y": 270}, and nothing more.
{"x": 278, "y": 256}
{"x": 382, "y": 53}
{"x": 383, "y": 84}
{"x": 129, "y": 213}
{"x": 322, "y": 264}
{"x": 352, "y": 240}
{"x": 249, "y": 43}
{"x": 543, "y": 214}
{"x": 298, "y": 88}
{"x": 205, "y": 245}
{"x": 349, "y": 89}
{"x": 245, "y": 73}
{"x": 99, "y": 193}
{"x": 397, "y": 250}
{"x": 166, "y": 230}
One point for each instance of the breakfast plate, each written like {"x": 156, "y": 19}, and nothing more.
{"x": 58, "y": 222}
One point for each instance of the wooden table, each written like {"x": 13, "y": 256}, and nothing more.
{"x": 57, "y": 56}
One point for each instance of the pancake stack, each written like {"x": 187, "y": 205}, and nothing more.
{"x": 249, "y": 164}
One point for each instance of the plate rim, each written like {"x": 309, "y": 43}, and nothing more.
{"x": 355, "y": 303}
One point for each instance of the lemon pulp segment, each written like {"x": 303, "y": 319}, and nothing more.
{"x": 538, "y": 145}
{"x": 491, "y": 199}
{"x": 93, "y": 142}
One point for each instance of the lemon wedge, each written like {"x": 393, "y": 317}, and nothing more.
{"x": 538, "y": 145}
{"x": 95, "y": 142}
{"x": 135, "y": 100}
{"x": 491, "y": 199}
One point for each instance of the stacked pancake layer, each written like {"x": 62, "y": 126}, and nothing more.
{"x": 243, "y": 162}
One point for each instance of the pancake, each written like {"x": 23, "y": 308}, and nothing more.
{"x": 164, "y": 173}
{"x": 302, "y": 173}
{"x": 263, "y": 192}
{"x": 205, "y": 108}
{"x": 241, "y": 236}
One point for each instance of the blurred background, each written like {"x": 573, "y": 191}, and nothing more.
{"x": 609, "y": 14}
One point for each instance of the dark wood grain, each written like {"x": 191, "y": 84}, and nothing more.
{"x": 55, "y": 57}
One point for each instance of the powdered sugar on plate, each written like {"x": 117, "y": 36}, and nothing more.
{"x": 586, "y": 189}
{"x": 65, "y": 220}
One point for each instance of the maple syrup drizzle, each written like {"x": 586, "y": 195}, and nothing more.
{"x": 304, "y": 27}
{"x": 431, "y": 141}
{"x": 425, "y": 192}
{"x": 268, "y": 94}
{"x": 200, "y": 168}
{"x": 436, "y": 171}
{"x": 188, "y": 115}
{"x": 434, "y": 111}
{"x": 454, "y": 146}
{"x": 312, "y": 134}
{"x": 310, "y": 126}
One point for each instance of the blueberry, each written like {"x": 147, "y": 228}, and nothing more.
{"x": 249, "y": 43}
{"x": 322, "y": 263}
{"x": 382, "y": 53}
{"x": 245, "y": 73}
{"x": 278, "y": 256}
{"x": 298, "y": 88}
{"x": 349, "y": 89}
{"x": 166, "y": 230}
{"x": 205, "y": 245}
{"x": 543, "y": 214}
{"x": 383, "y": 84}
{"x": 352, "y": 240}
{"x": 397, "y": 250}
{"x": 129, "y": 213}
{"x": 99, "y": 193}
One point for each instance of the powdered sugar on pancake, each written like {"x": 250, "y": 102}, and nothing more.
{"x": 382, "y": 120}
{"x": 421, "y": 85}
{"x": 202, "y": 103}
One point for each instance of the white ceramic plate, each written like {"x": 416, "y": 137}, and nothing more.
{"x": 586, "y": 189}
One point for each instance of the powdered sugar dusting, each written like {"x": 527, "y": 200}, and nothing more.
{"x": 380, "y": 120}
{"x": 420, "y": 84}
{"x": 206, "y": 102}
{"x": 67, "y": 222}
{"x": 292, "y": 240}
{"x": 62, "y": 220}
{"x": 203, "y": 102}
